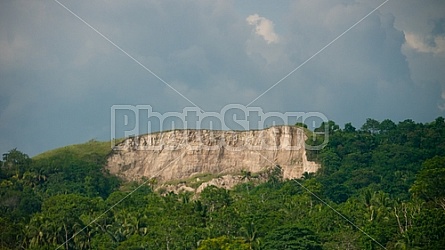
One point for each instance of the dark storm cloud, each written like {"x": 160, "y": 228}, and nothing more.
{"x": 59, "y": 78}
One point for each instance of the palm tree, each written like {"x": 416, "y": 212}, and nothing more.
{"x": 246, "y": 175}
{"x": 250, "y": 233}
{"x": 307, "y": 176}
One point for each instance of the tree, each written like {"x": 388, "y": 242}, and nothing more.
{"x": 15, "y": 162}
{"x": 330, "y": 126}
{"x": 59, "y": 223}
{"x": 275, "y": 176}
{"x": 215, "y": 198}
{"x": 387, "y": 126}
{"x": 291, "y": 237}
{"x": 246, "y": 175}
{"x": 301, "y": 124}
{"x": 428, "y": 229}
{"x": 223, "y": 243}
{"x": 430, "y": 181}
{"x": 372, "y": 126}
{"x": 349, "y": 128}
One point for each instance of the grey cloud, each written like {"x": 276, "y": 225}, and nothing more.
{"x": 364, "y": 74}
{"x": 58, "y": 78}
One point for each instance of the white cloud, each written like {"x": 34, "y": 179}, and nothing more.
{"x": 263, "y": 27}
{"x": 419, "y": 44}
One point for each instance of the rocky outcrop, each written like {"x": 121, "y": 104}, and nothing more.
{"x": 181, "y": 154}
{"x": 225, "y": 181}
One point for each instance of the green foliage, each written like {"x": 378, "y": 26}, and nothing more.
{"x": 215, "y": 198}
{"x": 291, "y": 237}
{"x": 51, "y": 191}
{"x": 300, "y": 124}
{"x": 430, "y": 181}
{"x": 380, "y": 186}
{"x": 76, "y": 169}
{"x": 223, "y": 243}
{"x": 14, "y": 163}
{"x": 94, "y": 151}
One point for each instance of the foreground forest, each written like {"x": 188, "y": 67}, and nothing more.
{"x": 380, "y": 187}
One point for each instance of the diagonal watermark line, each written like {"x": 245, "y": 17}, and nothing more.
{"x": 329, "y": 206}
{"x": 117, "y": 203}
{"x": 318, "y": 52}
{"x": 127, "y": 54}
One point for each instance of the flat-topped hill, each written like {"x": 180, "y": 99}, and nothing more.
{"x": 181, "y": 154}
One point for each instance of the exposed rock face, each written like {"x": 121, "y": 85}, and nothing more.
{"x": 226, "y": 181}
{"x": 181, "y": 154}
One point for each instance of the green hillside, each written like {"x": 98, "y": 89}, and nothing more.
{"x": 92, "y": 147}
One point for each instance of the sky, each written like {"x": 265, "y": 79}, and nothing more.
{"x": 60, "y": 75}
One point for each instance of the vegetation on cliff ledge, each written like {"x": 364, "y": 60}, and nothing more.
{"x": 379, "y": 187}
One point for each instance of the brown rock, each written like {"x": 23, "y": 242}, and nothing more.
{"x": 181, "y": 154}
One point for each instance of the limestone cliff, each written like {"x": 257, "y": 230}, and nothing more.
{"x": 181, "y": 154}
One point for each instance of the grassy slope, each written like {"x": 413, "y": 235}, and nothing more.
{"x": 98, "y": 148}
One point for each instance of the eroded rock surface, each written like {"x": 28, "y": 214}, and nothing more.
{"x": 181, "y": 154}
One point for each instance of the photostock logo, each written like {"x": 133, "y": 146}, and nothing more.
{"x": 236, "y": 127}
